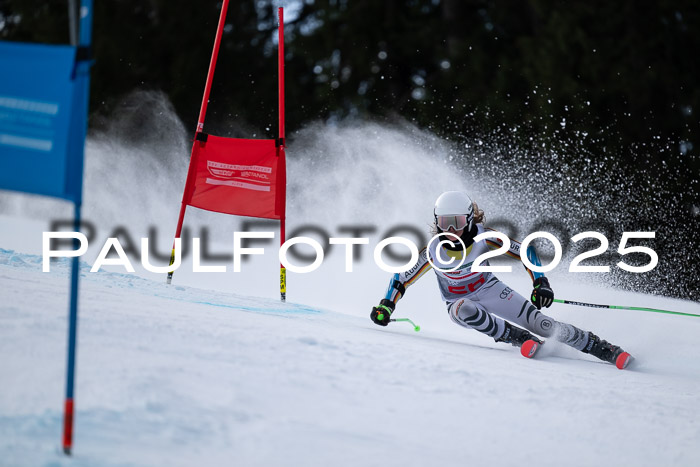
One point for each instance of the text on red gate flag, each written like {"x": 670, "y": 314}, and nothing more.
{"x": 244, "y": 177}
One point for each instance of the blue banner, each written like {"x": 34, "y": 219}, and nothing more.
{"x": 43, "y": 112}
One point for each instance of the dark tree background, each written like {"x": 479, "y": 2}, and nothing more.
{"x": 612, "y": 82}
{"x": 623, "y": 72}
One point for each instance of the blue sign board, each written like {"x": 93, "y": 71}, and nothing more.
{"x": 42, "y": 120}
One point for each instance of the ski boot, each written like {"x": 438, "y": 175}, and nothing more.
{"x": 607, "y": 352}
{"x": 518, "y": 337}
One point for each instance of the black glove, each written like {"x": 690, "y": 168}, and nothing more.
{"x": 382, "y": 313}
{"x": 542, "y": 294}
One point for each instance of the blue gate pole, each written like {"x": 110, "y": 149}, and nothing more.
{"x": 81, "y": 101}
{"x": 72, "y": 338}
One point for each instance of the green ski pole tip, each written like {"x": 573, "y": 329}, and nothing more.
{"x": 417, "y": 328}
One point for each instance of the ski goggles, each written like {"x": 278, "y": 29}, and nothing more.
{"x": 457, "y": 222}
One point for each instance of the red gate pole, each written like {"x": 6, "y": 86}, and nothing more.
{"x": 281, "y": 145}
{"x": 200, "y": 128}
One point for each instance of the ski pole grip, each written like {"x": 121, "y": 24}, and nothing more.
{"x": 380, "y": 316}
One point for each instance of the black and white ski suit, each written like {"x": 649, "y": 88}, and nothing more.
{"x": 479, "y": 300}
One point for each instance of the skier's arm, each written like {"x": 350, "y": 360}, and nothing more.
{"x": 397, "y": 288}
{"x": 401, "y": 281}
{"x": 542, "y": 294}
{"x": 514, "y": 252}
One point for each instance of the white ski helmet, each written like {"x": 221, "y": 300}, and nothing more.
{"x": 454, "y": 209}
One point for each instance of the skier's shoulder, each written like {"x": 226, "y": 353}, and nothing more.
{"x": 483, "y": 229}
{"x": 493, "y": 238}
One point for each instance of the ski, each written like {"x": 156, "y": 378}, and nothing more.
{"x": 529, "y": 348}
{"x": 623, "y": 360}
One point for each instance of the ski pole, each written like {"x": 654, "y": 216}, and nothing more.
{"x": 415, "y": 327}
{"x": 380, "y": 316}
{"x": 637, "y": 308}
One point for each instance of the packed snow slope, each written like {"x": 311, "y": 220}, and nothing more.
{"x": 214, "y": 370}
{"x": 183, "y": 376}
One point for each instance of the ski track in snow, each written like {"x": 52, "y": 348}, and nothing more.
{"x": 173, "y": 375}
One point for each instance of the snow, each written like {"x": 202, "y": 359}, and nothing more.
{"x": 176, "y": 375}
{"x": 215, "y": 370}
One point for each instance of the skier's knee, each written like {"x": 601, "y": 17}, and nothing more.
{"x": 462, "y": 311}
{"x": 470, "y": 315}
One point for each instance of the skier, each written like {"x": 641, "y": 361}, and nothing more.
{"x": 479, "y": 300}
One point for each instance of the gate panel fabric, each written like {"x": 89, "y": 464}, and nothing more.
{"x": 237, "y": 176}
